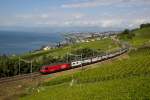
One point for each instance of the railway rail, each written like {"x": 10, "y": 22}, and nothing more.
{"x": 19, "y": 77}
{"x": 32, "y": 75}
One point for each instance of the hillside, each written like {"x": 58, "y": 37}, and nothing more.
{"x": 141, "y": 36}
{"x": 125, "y": 79}
{"x": 98, "y": 44}
{"x": 9, "y": 66}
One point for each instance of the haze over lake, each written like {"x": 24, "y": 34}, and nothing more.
{"x": 21, "y": 42}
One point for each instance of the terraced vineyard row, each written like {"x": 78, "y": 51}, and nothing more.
{"x": 134, "y": 66}
{"x": 125, "y": 79}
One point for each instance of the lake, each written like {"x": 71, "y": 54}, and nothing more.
{"x": 21, "y": 42}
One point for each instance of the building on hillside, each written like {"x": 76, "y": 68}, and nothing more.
{"x": 46, "y": 48}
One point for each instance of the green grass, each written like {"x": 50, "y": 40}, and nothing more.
{"x": 143, "y": 33}
{"x": 142, "y": 36}
{"x": 126, "y": 79}
{"x": 135, "y": 88}
{"x": 122, "y": 79}
{"x": 99, "y": 44}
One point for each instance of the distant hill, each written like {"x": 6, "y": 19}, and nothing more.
{"x": 137, "y": 37}
{"x": 123, "y": 78}
{"x": 126, "y": 78}
{"x": 142, "y": 33}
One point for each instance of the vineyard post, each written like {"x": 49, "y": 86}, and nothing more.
{"x": 31, "y": 69}
{"x": 67, "y": 58}
{"x": 93, "y": 52}
{"x": 81, "y": 62}
{"x": 19, "y": 67}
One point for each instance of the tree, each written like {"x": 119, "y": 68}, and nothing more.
{"x": 126, "y": 31}
{"x": 128, "y": 34}
{"x": 87, "y": 52}
{"x": 145, "y": 25}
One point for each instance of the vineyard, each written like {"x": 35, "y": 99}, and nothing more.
{"x": 137, "y": 37}
{"x": 60, "y": 52}
{"x": 122, "y": 78}
{"x": 125, "y": 79}
{"x": 9, "y": 66}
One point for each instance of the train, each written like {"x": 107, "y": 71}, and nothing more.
{"x": 48, "y": 69}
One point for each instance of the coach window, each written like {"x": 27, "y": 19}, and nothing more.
{"x": 74, "y": 63}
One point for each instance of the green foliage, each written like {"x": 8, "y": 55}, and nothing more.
{"x": 87, "y": 52}
{"x": 145, "y": 25}
{"x": 9, "y": 66}
{"x": 98, "y": 44}
{"x": 137, "y": 37}
{"x": 127, "y": 34}
{"x": 130, "y": 35}
{"x": 126, "y": 79}
{"x": 126, "y": 31}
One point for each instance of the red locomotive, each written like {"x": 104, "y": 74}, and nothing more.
{"x": 73, "y": 64}
{"x": 54, "y": 68}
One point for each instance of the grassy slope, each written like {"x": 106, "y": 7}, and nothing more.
{"x": 142, "y": 36}
{"x": 135, "y": 88}
{"x": 125, "y": 79}
{"x": 101, "y": 44}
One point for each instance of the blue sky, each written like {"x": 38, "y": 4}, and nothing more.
{"x": 108, "y": 14}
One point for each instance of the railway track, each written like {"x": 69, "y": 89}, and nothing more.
{"x": 31, "y": 75}
{"x": 73, "y": 70}
{"x": 19, "y": 77}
